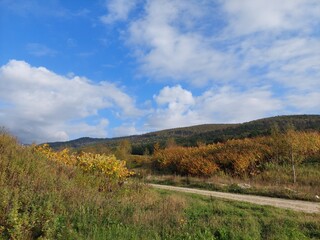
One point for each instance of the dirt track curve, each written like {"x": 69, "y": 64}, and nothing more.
{"x": 296, "y": 205}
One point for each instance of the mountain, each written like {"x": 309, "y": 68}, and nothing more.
{"x": 152, "y": 137}
{"x": 206, "y": 133}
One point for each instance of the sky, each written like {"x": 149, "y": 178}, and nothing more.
{"x": 109, "y": 68}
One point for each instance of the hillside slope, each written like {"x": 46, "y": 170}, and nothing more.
{"x": 44, "y": 199}
{"x": 207, "y": 133}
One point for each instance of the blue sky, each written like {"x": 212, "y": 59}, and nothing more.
{"x": 110, "y": 68}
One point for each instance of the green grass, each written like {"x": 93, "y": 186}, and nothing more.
{"x": 236, "y": 220}
{"x": 40, "y": 199}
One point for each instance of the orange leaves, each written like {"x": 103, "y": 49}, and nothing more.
{"x": 107, "y": 165}
{"x": 185, "y": 161}
{"x": 238, "y": 156}
{"x": 234, "y": 156}
{"x": 241, "y": 156}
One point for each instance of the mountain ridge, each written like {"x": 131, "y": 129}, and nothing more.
{"x": 204, "y": 133}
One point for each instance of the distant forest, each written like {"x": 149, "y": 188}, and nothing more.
{"x": 195, "y": 135}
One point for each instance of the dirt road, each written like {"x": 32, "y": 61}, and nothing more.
{"x": 296, "y": 205}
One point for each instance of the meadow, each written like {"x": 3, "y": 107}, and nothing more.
{"x": 41, "y": 198}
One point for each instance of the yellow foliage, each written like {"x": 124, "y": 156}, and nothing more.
{"x": 241, "y": 155}
{"x": 186, "y": 161}
{"x": 237, "y": 156}
{"x": 107, "y": 165}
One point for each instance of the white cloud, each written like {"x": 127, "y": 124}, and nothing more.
{"x": 174, "y": 96}
{"x": 177, "y": 107}
{"x": 276, "y": 41}
{"x": 45, "y": 106}
{"x": 168, "y": 45}
{"x": 249, "y": 16}
{"x": 125, "y": 130}
{"x": 294, "y": 62}
{"x": 231, "y": 105}
{"x": 306, "y": 103}
{"x": 118, "y": 10}
{"x": 288, "y": 62}
{"x": 229, "y": 42}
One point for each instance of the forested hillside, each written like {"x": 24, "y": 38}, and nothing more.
{"x": 201, "y": 134}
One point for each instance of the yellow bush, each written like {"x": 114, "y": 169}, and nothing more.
{"x": 108, "y": 165}
{"x": 186, "y": 161}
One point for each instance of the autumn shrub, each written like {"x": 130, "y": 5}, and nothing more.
{"x": 108, "y": 165}
{"x": 240, "y": 157}
{"x": 113, "y": 169}
{"x": 185, "y": 161}
{"x": 234, "y": 156}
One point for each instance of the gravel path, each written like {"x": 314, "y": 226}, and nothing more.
{"x": 296, "y": 205}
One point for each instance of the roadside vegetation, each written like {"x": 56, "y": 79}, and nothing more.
{"x": 45, "y": 196}
{"x": 284, "y": 164}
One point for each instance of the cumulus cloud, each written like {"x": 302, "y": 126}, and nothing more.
{"x": 118, "y": 10}
{"x": 247, "y": 16}
{"x": 227, "y": 42}
{"x": 40, "y": 105}
{"x": 174, "y": 97}
{"x": 231, "y": 105}
{"x": 174, "y": 108}
{"x": 277, "y": 39}
{"x": 178, "y": 107}
{"x": 168, "y": 44}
